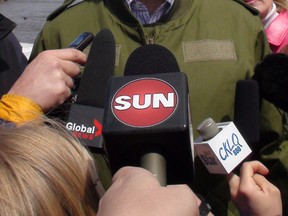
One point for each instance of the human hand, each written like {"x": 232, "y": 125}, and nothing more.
{"x": 136, "y": 192}
{"x": 252, "y": 193}
{"x": 47, "y": 80}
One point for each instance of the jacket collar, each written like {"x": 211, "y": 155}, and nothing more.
{"x": 120, "y": 9}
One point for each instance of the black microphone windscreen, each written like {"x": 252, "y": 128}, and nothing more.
{"x": 98, "y": 69}
{"x": 247, "y": 111}
{"x": 272, "y": 76}
{"x": 151, "y": 59}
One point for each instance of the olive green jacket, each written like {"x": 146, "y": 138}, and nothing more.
{"x": 216, "y": 43}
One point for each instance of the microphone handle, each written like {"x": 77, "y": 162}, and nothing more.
{"x": 156, "y": 164}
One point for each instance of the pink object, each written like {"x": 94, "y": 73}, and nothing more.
{"x": 277, "y": 32}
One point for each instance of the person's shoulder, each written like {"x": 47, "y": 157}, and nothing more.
{"x": 65, "y": 6}
{"x": 247, "y": 7}
{"x": 7, "y": 26}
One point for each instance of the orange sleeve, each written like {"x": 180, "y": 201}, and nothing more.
{"x": 18, "y": 109}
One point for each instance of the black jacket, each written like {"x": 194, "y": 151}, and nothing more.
{"x": 12, "y": 60}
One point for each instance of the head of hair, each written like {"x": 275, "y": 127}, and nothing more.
{"x": 44, "y": 170}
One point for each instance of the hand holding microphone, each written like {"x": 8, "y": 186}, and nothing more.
{"x": 47, "y": 80}
{"x": 135, "y": 191}
{"x": 252, "y": 193}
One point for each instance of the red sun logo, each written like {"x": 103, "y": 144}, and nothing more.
{"x": 144, "y": 102}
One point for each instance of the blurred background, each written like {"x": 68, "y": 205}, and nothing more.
{"x": 29, "y": 15}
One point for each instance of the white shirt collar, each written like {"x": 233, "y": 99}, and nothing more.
{"x": 129, "y": 2}
{"x": 270, "y": 16}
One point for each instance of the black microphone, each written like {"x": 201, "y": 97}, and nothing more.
{"x": 247, "y": 110}
{"x": 86, "y": 114}
{"x": 272, "y": 76}
{"x": 147, "y": 119}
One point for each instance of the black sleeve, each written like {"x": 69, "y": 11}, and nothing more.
{"x": 12, "y": 60}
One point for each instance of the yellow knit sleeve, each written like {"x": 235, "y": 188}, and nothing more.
{"x": 18, "y": 109}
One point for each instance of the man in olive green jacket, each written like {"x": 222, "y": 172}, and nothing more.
{"x": 216, "y": 43}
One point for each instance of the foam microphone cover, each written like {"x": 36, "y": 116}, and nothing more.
{"x": 151, "y": 59}
{"x": 247, "y": 111}
{"x": 272, "y": 76}
{"x": 98, "y": 69}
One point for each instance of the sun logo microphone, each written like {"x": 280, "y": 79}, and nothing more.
{"x": 147, "y": 120}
